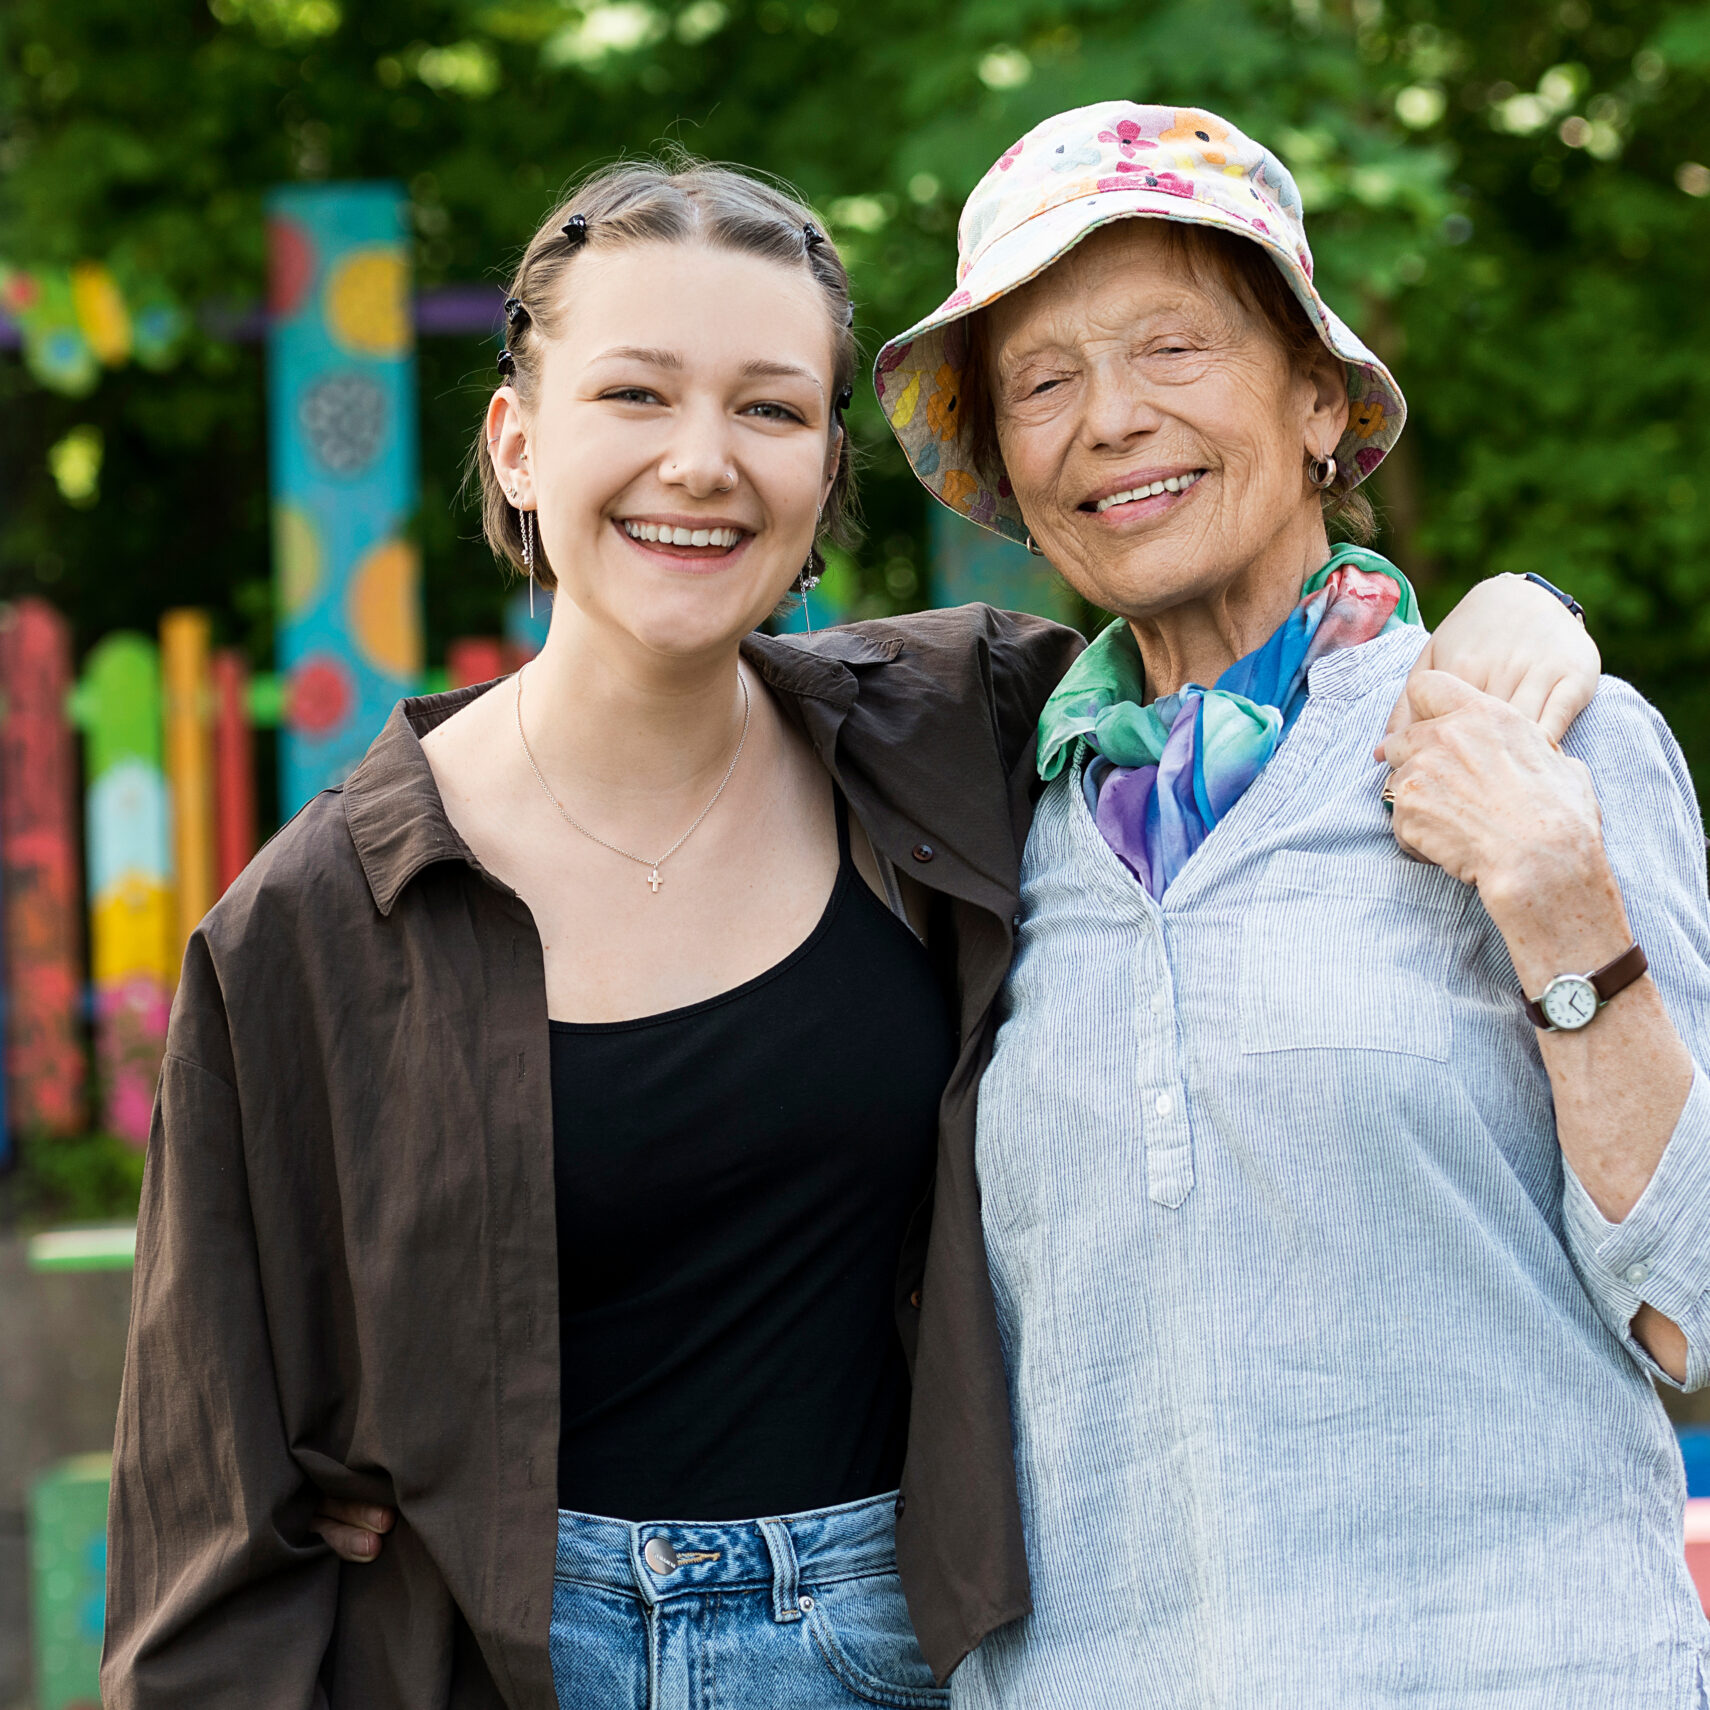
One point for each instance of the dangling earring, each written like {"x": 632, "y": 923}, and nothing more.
{"x": 807, "y": 579}
{"x": 1321, "y": 471}
{"x": 526, "y": 519}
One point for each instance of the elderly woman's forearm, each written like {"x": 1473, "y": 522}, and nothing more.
{"x": 1620, "y": 1085}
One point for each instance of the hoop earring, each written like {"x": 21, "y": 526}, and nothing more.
{"x": 1037, "y": 553}
{"x": 1321, "y": 471}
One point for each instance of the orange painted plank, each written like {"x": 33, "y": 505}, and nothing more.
{"x": 189, "y": 762}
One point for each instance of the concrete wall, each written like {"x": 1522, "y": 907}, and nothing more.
{"x": 62, "y": 1348}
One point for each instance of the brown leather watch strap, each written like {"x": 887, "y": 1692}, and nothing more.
{"x": 1611, "y": 978}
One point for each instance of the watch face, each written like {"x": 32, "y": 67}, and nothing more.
{"x": 1570, "y": 1002}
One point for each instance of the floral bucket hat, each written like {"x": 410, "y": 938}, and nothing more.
{"x": 1065, "y": 178}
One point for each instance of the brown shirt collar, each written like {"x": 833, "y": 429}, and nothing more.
{"x": 399, "y": 822}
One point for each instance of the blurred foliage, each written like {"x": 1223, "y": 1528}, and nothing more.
{"x": 85, "y": 1178}
{"x": 1509, "y": 202}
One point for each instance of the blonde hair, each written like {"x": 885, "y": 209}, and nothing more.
{"x": 680, "y": 201}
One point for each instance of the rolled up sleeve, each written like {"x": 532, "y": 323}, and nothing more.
{"x": 217, "y": 1593}
{"x": 1659, "y": 1254}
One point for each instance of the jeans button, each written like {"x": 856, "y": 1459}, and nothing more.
{"x": 659, "y": 1556}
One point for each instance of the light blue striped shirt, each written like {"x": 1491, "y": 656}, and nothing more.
{"x": 1323, "y": 1385}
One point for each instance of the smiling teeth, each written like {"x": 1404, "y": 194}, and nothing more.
{"x": 665, "y": 535}
{"x": 1173, "y": 484}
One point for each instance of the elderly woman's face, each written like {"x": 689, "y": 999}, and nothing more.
{"x": 1118, "y": 369}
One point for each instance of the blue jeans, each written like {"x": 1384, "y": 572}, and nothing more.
{"x": 799, "y": 1613}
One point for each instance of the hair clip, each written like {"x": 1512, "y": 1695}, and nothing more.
{"x": 576, "y": 230}
{"x": 515, "y": 310}
{"x": 507, "y": 362}
{"x": 846, "y": 397}
{"x": 812, "y": 236}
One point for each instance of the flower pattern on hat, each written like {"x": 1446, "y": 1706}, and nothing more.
{"x": 1065, "y": 178}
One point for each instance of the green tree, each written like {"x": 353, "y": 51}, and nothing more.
{"x": 1505, "y": 201}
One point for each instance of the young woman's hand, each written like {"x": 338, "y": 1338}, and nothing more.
{"x": 1511, "y": 639}
{"x": 353, "y": 1530}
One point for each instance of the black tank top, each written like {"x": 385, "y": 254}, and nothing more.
{"x": 734, "y": 1181}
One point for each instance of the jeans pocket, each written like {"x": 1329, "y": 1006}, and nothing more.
{"x": 862, "y": 1630}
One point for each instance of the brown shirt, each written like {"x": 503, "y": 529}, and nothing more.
{"x": 346, "y": 1263}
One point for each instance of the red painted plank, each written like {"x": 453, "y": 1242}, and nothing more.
{"x": 45, "y": 1067}
{"x": 234, "y": 768}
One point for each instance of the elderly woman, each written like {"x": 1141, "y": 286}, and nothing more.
{"x": 1341, "y": 1206}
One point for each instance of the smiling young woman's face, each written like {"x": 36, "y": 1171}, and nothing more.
{"x": 1152, "y": 425}
{"x": 683, "y": 441}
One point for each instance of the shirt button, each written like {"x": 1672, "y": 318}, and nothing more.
{"x": 659, "y": 1556}
{"x": 1638, "y": 1273}
{"x": 914, "y": 1300}
{"x": 1158, "y": 1003}
{"x": 1163, "y": 1104}
{"x": 923, "y": 852}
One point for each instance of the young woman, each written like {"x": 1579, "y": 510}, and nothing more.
{"x": 546, "y": 1143}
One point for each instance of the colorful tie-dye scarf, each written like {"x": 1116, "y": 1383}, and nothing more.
{"x": 1161, "y": 776}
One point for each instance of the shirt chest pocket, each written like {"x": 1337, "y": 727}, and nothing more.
{"x": 1353, "y": 953}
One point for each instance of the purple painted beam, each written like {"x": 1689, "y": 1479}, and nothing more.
{"x": 446, "y": 311}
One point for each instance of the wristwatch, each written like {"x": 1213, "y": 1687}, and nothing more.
{"x": 1575, "y": 609}
{"x": 1571, "y": 1001}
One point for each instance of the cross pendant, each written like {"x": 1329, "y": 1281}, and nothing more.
{"x": 655, "y": 881}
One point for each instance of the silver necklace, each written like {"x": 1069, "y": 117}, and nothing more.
{"x": 653, "y": 878}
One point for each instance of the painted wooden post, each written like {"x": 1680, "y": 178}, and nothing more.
{"x": 189, "y": 765}
{"x": 970, "y": 563}
{"x": 234, "y": 768}
{"x": 45, "y": 1068}
{"x": 132, "y": 921}
{"x": 68, "y": 1570}
{"x": 476, "y": 659}
{"x": 342, "y": 444}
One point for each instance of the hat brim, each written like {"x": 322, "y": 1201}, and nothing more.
{"x": 918, "y": 374}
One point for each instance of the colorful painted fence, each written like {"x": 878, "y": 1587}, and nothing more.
{"x": 169, "y": 813}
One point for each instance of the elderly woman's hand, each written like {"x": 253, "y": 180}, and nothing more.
{"x": 1481, "y": 791}
{"x": 1517, "y": 642}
